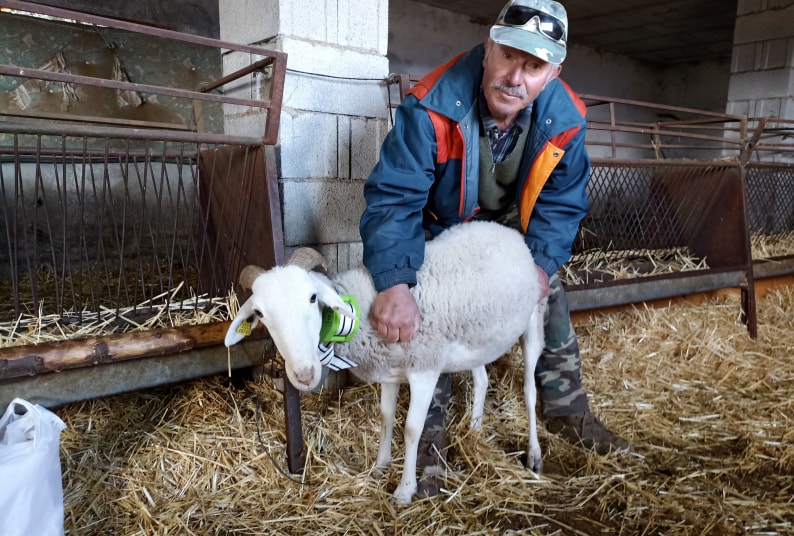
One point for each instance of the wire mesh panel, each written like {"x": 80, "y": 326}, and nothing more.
{"x": 115, "y": 232}
{"x": 97, "y": 230}
{"x": 770, "y": 207}
{"x": 652, "y": 217}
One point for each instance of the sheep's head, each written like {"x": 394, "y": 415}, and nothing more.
{"x": 288, "y": 300}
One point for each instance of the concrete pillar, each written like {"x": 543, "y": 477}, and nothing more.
{"x": 335, "y": 112}
{"x": 762, "y": 66}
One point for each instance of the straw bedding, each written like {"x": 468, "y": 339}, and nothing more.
{"x": 708, "y": 409}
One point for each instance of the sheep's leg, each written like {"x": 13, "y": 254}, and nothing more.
{"x": 422, "y": 387}
{"x": 480, "y": 379}
{"x": 532, "y": 345}
{"x": 388, "y": 408}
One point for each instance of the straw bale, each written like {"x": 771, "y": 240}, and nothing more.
{"x": 708, "y": 409}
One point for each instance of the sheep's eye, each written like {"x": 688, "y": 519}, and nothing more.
{"x": 258, "y": 313}
{"x": 313, "y": 299}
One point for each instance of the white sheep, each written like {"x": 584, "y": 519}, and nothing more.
{"x": 478, "y": 293}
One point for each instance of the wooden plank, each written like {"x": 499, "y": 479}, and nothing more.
{"x": 107, "y": 379}
{"x": 46, "y": 357}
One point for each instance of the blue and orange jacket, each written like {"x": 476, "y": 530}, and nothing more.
{"x": 429, "y": 164}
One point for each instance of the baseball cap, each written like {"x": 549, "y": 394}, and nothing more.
{"x": 539, "y": 27}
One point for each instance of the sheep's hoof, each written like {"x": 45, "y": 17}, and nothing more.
{"x": 535, "y": 463}
{"x": 404, "y": 494}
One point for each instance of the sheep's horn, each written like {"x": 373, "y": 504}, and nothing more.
{"x": 248, "y": 275}
{"x": 308, "y": 259}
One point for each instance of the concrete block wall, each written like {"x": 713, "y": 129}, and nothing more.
{"x": 762, "y": 66}
{"x": 335, "y": 109}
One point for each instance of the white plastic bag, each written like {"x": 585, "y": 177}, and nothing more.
{"x": 31, "y": 492}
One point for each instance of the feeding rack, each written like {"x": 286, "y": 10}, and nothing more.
{"x": 668, "y": 214}
{"x": 126, "y": 211}
{"x": 770, "y": 196}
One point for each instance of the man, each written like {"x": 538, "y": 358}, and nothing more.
{"x": 492, "y": 134}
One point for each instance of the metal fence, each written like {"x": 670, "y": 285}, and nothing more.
{"x": 113, "y": 227}
{"x": 108, "y": 219}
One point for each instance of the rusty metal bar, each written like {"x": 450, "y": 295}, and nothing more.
{"x": 613, "y": 135}
{"x": 774, "y": 146}
{"x": 257, "y": 66}
{"x": 38, "y": 74}
{"x": 697, "y": 123}
{"x": 691, "y": 124}
{"x": 94, "y": 119}
{"x": 96, "y": 155}
{"x": 99, "y": 20}
{"x": 651, "y": 146}
{"x": 598, "y": 100}
{"x": 125, "y": 133}
{"x": 278, "y": 60}
{"x": 594, "y": 125}
{"x": 609, "y": 162}
{"x": 276, "y": 97}
{"x": 656, "y": 143}
{"x": 749, "y": 313}
{"x": 781, "y": 166}
{"x": 752, "y": 142}
{"x": 784, "y": 131}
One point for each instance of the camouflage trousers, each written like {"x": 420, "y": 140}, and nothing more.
{"x": 558, "y": 373}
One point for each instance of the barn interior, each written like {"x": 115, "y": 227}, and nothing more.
{"x": 141, "y": 142}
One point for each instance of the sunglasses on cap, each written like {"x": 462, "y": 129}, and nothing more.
{"x": 524, "y": 17}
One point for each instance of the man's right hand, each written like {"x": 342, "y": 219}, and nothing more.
{"x": 395, "y": 315}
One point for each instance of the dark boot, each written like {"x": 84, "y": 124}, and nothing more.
{"x": 587, "y": 430}
{"x": 431, "y": 461}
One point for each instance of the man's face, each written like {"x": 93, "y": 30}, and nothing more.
{"x": 513, "y": 79}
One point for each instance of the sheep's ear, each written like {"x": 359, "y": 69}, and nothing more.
{"x": 329, "y": 297}
{"x": 237, "y": 330}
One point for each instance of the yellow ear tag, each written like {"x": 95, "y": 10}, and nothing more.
{"x": 244, "y": 328}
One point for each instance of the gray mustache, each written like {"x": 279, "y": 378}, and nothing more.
{"x": 515, "y": 91}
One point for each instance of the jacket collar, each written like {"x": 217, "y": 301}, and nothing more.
{"x": 455, "y": 92}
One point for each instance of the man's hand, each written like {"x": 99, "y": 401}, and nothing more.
{"x": 543, "y": 281}
{"x": 395, "y": 315}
